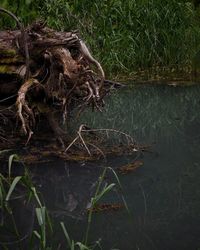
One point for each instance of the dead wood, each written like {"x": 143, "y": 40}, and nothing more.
{"x": 49, "y": 73}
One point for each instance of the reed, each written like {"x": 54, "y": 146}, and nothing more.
{"x": 40, "y": 236}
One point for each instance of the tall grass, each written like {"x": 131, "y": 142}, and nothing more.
{"x": 25, "y": 10}
{"x": 129, "y": 35}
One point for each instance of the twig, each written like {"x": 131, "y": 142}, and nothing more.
{"x": 110, "y": 130}
{"x": 91, "y": 94}
{"x": 79, "y": 137}
{"x": 79, "y": 133}
{"x": 102, "y": 153}
{"x": 71, "y": 144}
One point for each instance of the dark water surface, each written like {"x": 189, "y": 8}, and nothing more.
{"x": 163, "y": 195}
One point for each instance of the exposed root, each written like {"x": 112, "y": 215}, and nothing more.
{"x": 87, "y": 55}
{"x": 24, "y": 112}
{"x": 61, "y": 78}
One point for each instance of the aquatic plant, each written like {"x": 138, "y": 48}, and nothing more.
{"x": 40, "y": 235}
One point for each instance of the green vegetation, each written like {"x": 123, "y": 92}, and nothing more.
{"x": 126, "y": 36}
{"x": 20, "y": 191}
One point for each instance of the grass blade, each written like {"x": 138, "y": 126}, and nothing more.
{"x": 37, "y": 234}
{"x": 36, "y": 196}
{"x": 105, "y": 190}
{"x": 12, "y": 187}
{"x": 82, "y": 246}
{"x": 66, "y": 235}
{"x": 10, "y": 161}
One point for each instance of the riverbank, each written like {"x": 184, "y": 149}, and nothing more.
{"x": 167, "y": 75}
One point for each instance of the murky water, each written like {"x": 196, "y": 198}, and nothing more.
{"x": 163, "y": 195}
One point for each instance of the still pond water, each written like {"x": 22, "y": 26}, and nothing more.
{"x": 163, "y": 195}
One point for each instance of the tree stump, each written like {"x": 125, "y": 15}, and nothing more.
{"x": 45, "y": 72}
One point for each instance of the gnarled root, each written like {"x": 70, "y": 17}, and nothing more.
{"x": 24, "y": 112}
{"x": 63, "y": 76}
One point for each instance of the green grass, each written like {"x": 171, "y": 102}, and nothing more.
{"x": 126, "y": 36}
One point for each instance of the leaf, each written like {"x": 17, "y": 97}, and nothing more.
{"x": 10, "y": 161}
{"x": 66, "y": 235}
{"x": 12, "y": 187}
{"x": 119, "y": 183}
{"x": 103, "y": 192}
{"x": 82, "y": 246}
{"x": 4, "y": 151}
{"x": 116, "y": 176}
{"x": 36, "y": 196}
{"x": 37, "y": 234}
{"x": 40, "y": 213}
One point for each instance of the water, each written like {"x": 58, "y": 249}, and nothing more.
{"x": 163, "y": 195}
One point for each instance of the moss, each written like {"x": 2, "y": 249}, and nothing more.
{"x": 12, "y": 60}
{"x": 7, "y": 69}
{"x": 8, "y": 52}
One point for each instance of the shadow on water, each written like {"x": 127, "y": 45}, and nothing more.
{"x": 163, "y": 195}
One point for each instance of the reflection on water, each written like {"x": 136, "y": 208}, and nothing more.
{"x": 163, "y": 195}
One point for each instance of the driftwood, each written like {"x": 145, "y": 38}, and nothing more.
{"x": 46, "y": 73}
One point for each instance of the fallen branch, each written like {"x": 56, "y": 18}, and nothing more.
{"x": 84, "y": 129}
